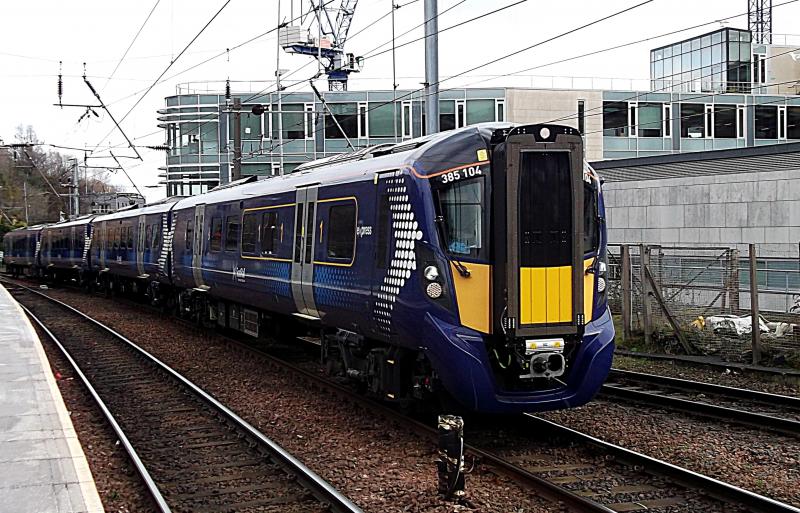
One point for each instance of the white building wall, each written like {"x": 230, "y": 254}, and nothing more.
{"x": 548, "y": 105}
{"x": 725, "y": 210}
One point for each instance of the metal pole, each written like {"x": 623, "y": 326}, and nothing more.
{"x": 25, "y": 195}
{"x": 626, "y": 292}
{"x": 431, "y": 67}
{"x": 754, "y": 312}
{"x": 237, "y": 139}
{"x": 280, "y": 101}
{"x": 394, "y": 78}
{"x": 644, "y": 263}
{"x": 76, "y": 191}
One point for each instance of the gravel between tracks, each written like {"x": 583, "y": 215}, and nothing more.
{"x": 380, "y": 466}
{"x": 118, "y": 484}
{"x": 730, "y": 378}
{"x": 759, "y": 461}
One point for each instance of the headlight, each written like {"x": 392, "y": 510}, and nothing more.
{"x": 434, "y": 290}
{"x": 601, "y": 284}
{"x": 431, "y": 273}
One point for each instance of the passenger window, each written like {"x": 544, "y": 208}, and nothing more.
{"x": 249, "y": 234}
{"x": 298, "y": 233}
{"x": 148, "y": 236}
{"x": 269, "y": 233}
{"x": 189, "y": 234}
{"x": 156, "y": 235}
{"x": 232, "y": 233}
{"x": 123, "y": 238}
{"x": 130, "y": 237}
{"x": 216, "y": 234}
{"x": 342, "y": 231}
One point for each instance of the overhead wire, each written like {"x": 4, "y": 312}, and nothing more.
{"x": 172, "y": 62}
{"x": 516, "y": 52}
{"x": 135, "y": 37}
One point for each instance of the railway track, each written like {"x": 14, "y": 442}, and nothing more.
{"x": 741, "y": 406}
{"x": 579, "y": 472}
{"x": 192, "y": 452}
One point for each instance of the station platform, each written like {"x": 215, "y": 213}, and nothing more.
{"x": 42, "y": 466}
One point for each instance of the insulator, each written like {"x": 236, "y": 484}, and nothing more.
{"x": 228, "y": 89}
{"x": 60, "y": 83}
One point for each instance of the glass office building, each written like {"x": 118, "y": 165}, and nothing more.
{"x": 199, "y": 129}
{"x": 720, "y": 61}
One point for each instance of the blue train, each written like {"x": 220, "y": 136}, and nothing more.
{"x": 470, "y": 263}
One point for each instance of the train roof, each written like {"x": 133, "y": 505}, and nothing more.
{"x": 159, "y": 207}
{"x": 350, "y": 167}
{"x": 74, "y": 222}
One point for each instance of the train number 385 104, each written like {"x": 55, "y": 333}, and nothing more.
{"x": 460, "y": 174}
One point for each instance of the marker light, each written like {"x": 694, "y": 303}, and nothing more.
{"x": 544, "y": 133}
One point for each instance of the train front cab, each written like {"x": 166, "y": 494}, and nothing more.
{"x": 535, "y": 332}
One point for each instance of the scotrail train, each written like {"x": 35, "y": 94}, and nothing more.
{"x": 470, "y": 262}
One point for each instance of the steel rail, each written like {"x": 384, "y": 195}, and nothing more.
{"x": 718, "y": 489}
{"x": 694, "y": 362}
{"x": 149, "y": 483}
{"x": 713, "y": 388}
{"x": 759, "y": 420}
{"x": 307, "y": 478}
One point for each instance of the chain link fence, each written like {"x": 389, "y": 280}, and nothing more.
{"x": 699, "y": 301}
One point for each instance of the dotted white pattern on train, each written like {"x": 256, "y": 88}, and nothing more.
{"x": 406, "y": 233}
{"x": 167, "y": 234}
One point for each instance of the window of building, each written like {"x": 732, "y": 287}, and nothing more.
{"x": 270, "y": 233}
{"x": 309, "y": 128}
{"x": 782, "y": 122}
{"x": 251, "y": 126}
{"x": 766, "y": 122}
{"x": 381, "y": 118}
{"x": 461, "y": 114}
{"x": 447, "y": 115}
{"x": 293, "y": 121}
{"x": 231, "y": 233}
{"x": 650, "y": 122}
{"x": 615, "y": 119}
{"x": 501, "y": 110}
{"x": 725, "y": 121}
{"x": 347, "y": 116}
{"x": 216, "y": 234}
{"x": 667, "y": 120}
{"x": 793, "y": 122}
{"x": 209, "y": 143}
{"x": 480, "y": 111}
{"x": 740, "y": 121}
{"x": 363, "y": 124}
{"x": 693, "y": 120}
{"x": 407, "y": 120}
{"x": 342, "y": 231}
{"x": 249, "y": 233}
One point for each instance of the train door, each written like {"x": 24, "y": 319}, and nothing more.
{"x": 140, "y": 245}
{"x": 103, "y": 244}
{"x": 303, "y": 255}
{"x": 197, "y": 245}
{"x": 544, "y": 236}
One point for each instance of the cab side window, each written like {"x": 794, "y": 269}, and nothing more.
{"x": 342, "y": 231}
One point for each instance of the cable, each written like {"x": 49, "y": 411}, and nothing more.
{"x": 125, "y": 54}
{"x": 516, "y": 52}
{"x": 173, "y": 61}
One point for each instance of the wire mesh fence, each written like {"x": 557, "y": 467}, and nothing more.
{"x": 700, "y": 300}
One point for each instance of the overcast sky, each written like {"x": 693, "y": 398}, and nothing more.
{"x": 37, "y": 34}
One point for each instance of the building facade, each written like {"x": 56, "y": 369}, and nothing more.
{"x": 108, "y": 202}
{"x": 726, "y": 61}
{"x": 616, "y": 124}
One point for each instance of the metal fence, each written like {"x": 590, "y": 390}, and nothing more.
{"x": 703, "y": 301}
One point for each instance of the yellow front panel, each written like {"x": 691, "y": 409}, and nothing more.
{"x": 565, "y": 280}
{"x": 525, "y": 295}
{"x": 473, "y": 294}
{"x": 545, "y": 295}
{"x": 588, "y": 290}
